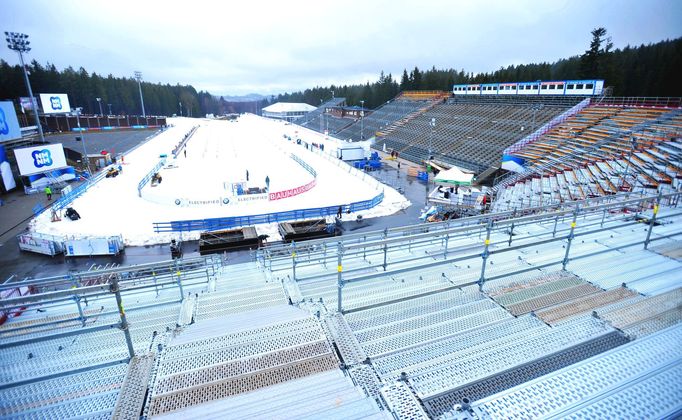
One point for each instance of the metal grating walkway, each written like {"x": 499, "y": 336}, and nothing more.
{"x": 584, "y": 305}
{"x": 403, "y": 402}
{"x": 645, "y": 310}
{"x": 578, "y": 386}
{"x": 489, "y": 371}
{"x": 134, "y": 388}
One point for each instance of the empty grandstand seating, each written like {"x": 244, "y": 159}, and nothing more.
{"x": 347, "y": 128}
{"x": 312, "y": 118}
{"x": 472, "y": 132}
{"x": 213, "y": 359}
{"x": 600, "y": 151}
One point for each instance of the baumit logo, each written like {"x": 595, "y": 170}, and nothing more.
{"x": 55, "y": 102}
{"x": 4, "y": 127}
{"x": 41, "y": 158}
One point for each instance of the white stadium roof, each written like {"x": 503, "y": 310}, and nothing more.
{"x": 289, "y": 107}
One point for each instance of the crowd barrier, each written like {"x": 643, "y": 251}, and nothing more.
{"x": 68, "y": 198}
{"x": 149, "y": 176}
{"x": 284, "y": 216}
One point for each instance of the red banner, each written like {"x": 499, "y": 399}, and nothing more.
{"x": 292, "y": 192}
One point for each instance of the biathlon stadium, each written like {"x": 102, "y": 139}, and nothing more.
{"x": 543, "y": 281}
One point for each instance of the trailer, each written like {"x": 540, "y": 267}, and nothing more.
{"x": 349, "y": 152}
{"x": 307, "y": 229}
{"x": 229, "y": 240}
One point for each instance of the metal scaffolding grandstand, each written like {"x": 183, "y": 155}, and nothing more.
{"x": 439, "y": 320}
{"x": 604, "y": 149}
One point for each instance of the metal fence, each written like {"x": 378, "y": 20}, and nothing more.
{"x": 149, "y": 176}
{"x": 305, "y": 166}
{"x": 68, "y": 198}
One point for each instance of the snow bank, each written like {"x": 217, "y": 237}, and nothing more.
{"x": 218, "y": 156}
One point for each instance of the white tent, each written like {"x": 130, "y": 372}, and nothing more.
{"x": 454, "y": 176}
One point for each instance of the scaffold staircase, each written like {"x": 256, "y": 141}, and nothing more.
{"x": 409, "y": 117}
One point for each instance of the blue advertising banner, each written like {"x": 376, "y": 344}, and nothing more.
{"x": 9, "y": 125}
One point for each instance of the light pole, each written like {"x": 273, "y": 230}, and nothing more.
{"x": 362, "y": 120}
{"x": 433, "y": 126}
{"x": 19, "y": 42}
{"x": 138, "y": 76}
{"x": 633, "y": 147}
{"x": 536, "y": 108}
{"x": 80, "y": 131}
{"x": 99, "y": 102}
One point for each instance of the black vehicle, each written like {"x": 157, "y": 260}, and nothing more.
{"x": 176, "y": 249}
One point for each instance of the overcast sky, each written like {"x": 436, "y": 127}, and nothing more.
{"x": 262, "y": 46}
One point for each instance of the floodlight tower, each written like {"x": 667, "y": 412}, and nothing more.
{"x": 433, "y": 127}
{"x": 138, "y": 76}
{"x": 19, "y": 42}
{"x": 99, "y": 102}
{"x": 78, "y": 112}
{"x": 362, "y": 120}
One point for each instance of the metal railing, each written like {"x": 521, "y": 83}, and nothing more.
{"x": 546, "y": 127}
{"x": 144, "y": 181}
{"x": 122, "y": 283}
{"x": 654, "y": 101}
{"x": 564, "y": 237}
{"x": 273, "y": 254}
{"x": 98, "y": 276}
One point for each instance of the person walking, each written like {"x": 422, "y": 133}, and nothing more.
{"x": 267, "y": 183}
{"x": 185, "y": 152}
{"x": 48, "y": 192}
{"x": 339, "y": 212}
{"x": 247, "y": 174}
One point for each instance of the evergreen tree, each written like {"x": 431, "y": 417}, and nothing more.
{"x": 405, "y": 83}
{"x": 592, "y": 62}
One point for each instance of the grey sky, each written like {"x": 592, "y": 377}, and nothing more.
{"x": 269, "y": 47}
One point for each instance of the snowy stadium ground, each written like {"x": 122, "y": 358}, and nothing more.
{"x": 218, "y": 156}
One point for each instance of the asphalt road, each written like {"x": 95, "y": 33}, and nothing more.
{"x": 114, "y": 142}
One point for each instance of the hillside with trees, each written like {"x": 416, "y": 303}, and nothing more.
{"x": 647, "y": 70}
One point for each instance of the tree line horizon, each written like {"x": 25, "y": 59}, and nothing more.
{"x": 645, "y": 70}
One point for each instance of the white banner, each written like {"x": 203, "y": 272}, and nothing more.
{"x": 37, "y": 159}
{"x": 55, "y": 103}
{"x": 9, "y": 125}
